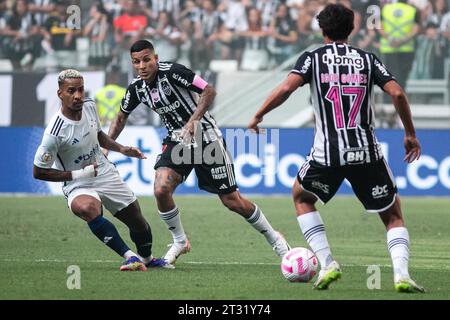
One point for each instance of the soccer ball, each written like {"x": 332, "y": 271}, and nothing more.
{"x": 299, "y": 265}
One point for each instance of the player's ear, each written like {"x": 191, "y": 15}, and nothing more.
{"x": 59, "y": 93}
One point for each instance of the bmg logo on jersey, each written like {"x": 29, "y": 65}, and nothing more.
{"x": 347, "y": 60}
{"x": 380, "y": 192}
{"x": 87, "y": 156}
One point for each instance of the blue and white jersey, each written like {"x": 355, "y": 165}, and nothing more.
{"x": 69, "y": 145}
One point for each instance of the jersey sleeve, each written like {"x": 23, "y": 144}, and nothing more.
{"x": 381, "y": 74}
{"x": 186, "y": 78}
{"x": 47, "y": 152}
{"x": 130, "y": 101}
{"x": 303, "y": 67}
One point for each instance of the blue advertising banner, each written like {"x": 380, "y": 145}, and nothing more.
{"x": 264, "y": 164}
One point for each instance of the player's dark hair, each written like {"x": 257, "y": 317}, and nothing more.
{"x": 140, "y": 45}
{"x": 336, "y": 21}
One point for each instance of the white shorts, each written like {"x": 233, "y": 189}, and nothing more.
{"x": 108, "y": 188}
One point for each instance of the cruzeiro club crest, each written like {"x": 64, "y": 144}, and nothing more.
{"x": 165, "y": 86}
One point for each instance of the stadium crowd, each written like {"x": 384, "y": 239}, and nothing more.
{"x": 195, "y": 32}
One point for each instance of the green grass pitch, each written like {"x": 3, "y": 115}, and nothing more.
{"x": 40, "y": 239}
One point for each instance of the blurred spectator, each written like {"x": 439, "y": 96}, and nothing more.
{"x": 430, "y": 54}
{"x": 445, "y": 32}
{"x": 157, "y": 6}
{"x": 166, "y": 36}
{"x": 256, "y": 56}
{"x": 206, "y": 25}
{"x": 439, "y": 9}
{"x": 267, "y": 9}
{"x": 97, "y": 30}
{"x": 282, "y": 35}
{"x": 40, "y": 9}
{"x": 22, "y": 44}
{"x": 129, "y": 27}
{"x": 56, "y": 31}
{"x": 400, "y": 26}
{"x": 235, "y": 18}
{"x": 3, "y": 21}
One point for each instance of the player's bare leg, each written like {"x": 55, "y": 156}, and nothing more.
{"x": 141, "y": 234}
{"x": 89, "y": 209}
{"x": 398, "y": 246}
{"x": 250, "y": 211}
{"x": 166, "y": 181}
{"x": 313, "y": 230}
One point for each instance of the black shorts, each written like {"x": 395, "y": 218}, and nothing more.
{"x": 372, "y": 183}
{"x": 212, "y": 164}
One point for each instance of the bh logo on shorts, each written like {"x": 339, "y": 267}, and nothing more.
{"x": 380, "y": 192}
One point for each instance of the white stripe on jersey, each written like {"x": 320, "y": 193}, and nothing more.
{"x": 321, "y": 136}
{"x": 228, "y": 162}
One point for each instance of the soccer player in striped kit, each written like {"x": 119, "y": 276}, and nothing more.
{"x": 341, "y": 79}
{"x": 182, "y": 98}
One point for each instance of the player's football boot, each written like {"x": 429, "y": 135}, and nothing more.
{"x": 133, "y": 264}
{"x": 177, "y": 249}
{"x": 408, "y": 286}
{"x": 159, "y": 263}
{"x": 328, "y": 276}
{"x": 281, "y": 247}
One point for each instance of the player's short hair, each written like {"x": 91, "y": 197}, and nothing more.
{"x": 68, "y": 74}
{"x": 336, "y": 21}
{"x": 140, "y": 45}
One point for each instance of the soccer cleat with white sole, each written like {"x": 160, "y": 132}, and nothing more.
{"x": 408, "y": 286}
{"x": 281, "y": 246}
{"x": 327, "y": 276}
{"x": 133, "y": 264}
{"x": 177, "y": 249}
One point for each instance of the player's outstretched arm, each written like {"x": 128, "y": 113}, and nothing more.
{"x": 204, "y": 102}
{"x": 61, "y": 176}
{"x": 400, "y": 101}
{"x": 117, "y": 125}
{"x": 108, "y": 143}
{"x": 276, "y": 98}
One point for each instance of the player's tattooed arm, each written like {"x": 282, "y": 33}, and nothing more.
{"x": 205, "y": 101}
{"x": 117, "y": 125}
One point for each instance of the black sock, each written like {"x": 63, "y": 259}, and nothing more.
{"x": 107, "y": 233}
{"x": 143, "y": 241}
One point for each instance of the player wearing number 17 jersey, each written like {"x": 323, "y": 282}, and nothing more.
{"x": 341, "y": 79}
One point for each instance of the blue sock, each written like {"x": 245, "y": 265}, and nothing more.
{"x": 107, "y": 233}
{"x": 143, "y": 241}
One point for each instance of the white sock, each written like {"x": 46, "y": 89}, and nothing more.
{"x": 127, "y": 255}
{"x": 173, "y": 221}
{"x": 313, "y": 230}
{"x": 398, "y": 246}
{"x": 259, "y": 221}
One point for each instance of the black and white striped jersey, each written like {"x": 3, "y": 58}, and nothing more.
{"x": 342, "y": 80}
{"x": 173, "y": 95}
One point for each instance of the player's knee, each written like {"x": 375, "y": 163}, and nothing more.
{"x": 87, "y": 211}
{"x": 162, "y": 192}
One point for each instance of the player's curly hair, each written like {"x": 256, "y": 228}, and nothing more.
{"x": 336, "y": 21}
{"x": 68, "y": 74}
